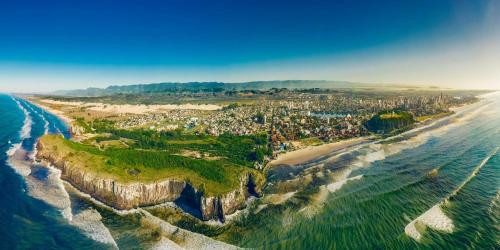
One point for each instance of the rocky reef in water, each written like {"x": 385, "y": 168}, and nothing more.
{"x": 124, "y": 196}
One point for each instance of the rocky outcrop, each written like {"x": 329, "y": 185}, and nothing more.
{"x": 131, "y": 195}
{"x": 76, "y": 130}
{"x": 218, "y": 207}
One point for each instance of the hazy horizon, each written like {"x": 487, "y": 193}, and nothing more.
{"x": 61, "y": 45}
{"x": 364, "y": 85}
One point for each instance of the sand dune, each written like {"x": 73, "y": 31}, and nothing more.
{"x": 133, "y": 108}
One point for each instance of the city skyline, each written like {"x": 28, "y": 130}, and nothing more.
{"x": 452, "y": 44}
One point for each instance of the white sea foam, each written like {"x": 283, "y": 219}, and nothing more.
{"x": 335, "y": 186}
{"x": 473, "y": 174}
{"x": 377, "y": 151}
{"x": 53, "y": 192}
{"x": 435, "y": 218}
{"x": 90, "y": 222}
{"x": 380, "y": 151}
{"x": 60, "y": 192}
{"x": 278, "y": 198}
{"x": 165, "y": 244}
{"x": 45, "y": 121}
{"x": 260, "y": 208}
{"x": 320, "y": 197}
{"x": 32, "y": 155}
{"x": 13, "y": 149}
{"x": 24, "y": 134}
{"x": 494, "y": 209}
{"x": 86, "y": 196}
{"x": 17, "y": 161}
{"x": 370, "y": 153}
{"x": 15, "y": 153}
{"x": 182, "y": 238}
{"x": 26, "y": 129}
{"x": 51, "y": 189}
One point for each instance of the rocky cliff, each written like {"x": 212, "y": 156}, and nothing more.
{"x": 131, "y": 195}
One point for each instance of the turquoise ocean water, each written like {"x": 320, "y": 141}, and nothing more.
{"x": 362, "y": 199}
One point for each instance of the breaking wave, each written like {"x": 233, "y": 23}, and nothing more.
{"x": 42, "y": 117}
{"x": 90, "y": 222}
{"x": 26, "y": 129}
{"x": 414, "y": 138}
{"x": 44, "y": 182}
{"x": 13, "y": 149}
{"x": 332, "y": 187}
{"x": 473, "y": 174}
{"x": 366, "y": 154}
{"x": 319, "y": 198}
{"x": 435, "y": 218}
{"x": 173, "y": 237}
{"x": 15, "y": 153}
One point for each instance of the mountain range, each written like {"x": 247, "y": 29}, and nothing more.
{"x": 200, "y": 86}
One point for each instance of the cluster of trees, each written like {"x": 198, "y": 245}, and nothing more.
{"x": 241, "y": 150}
{"x": 212, "y": 170}
{"x": 81, "y": 123}
{"x": 388, "y": 121}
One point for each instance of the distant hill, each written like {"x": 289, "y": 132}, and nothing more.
{"x": 175, "y": 86}
{"x": 387, "y": 121}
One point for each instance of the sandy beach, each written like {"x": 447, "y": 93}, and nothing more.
{"x": 55, "y": 112}
{"x": 307, "y": 154}
{"x": 310, "y": 153}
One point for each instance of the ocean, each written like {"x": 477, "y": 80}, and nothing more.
{"x": 28, "y": 222}
{"x": 437, "y": 187}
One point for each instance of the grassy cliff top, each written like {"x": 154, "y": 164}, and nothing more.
{"x": 390, "y": 116}
{"x": 139, "y": 165}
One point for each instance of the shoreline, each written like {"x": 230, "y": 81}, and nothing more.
{"x": 230, "y": 201}
{"x": 314, "y": 153}
{"x": 60, "y": 114}
{"x": 304, "y": 155}
{"x": 300, "y": 156}
{"x": 308, "y": 154}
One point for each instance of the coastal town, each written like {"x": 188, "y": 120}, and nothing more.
{"x": 235, "y": 125}
{"x": 294, "y": 119}
{"x": 198, "y": 165}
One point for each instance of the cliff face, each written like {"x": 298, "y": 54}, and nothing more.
{"x": 131, "y": 195}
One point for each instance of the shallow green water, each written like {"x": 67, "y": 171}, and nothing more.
{"x": 388, "y": 185}
{"x": 373, "y": 211}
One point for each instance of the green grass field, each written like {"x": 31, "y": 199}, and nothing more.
{"x": 147, "y": 165}
{"x": 390, "y": 116}
{"x": 435, "y": 116}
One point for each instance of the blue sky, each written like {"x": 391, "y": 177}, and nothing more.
{"x": 47, "y": 45}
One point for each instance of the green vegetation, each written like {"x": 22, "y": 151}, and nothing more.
{"x": 388, "y": 121}
{"x": 390, "y": 116}
{"x": 133, "y": 164}
{"x": 435, "y": 116}
{"x": 239, "y": 150}
{"x": 80, "y": 122}
{"x": 312, "y": 141}
{"x": 212, "y": 163}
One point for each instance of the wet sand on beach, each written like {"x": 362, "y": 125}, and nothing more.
{"x": 310, "y": 153}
